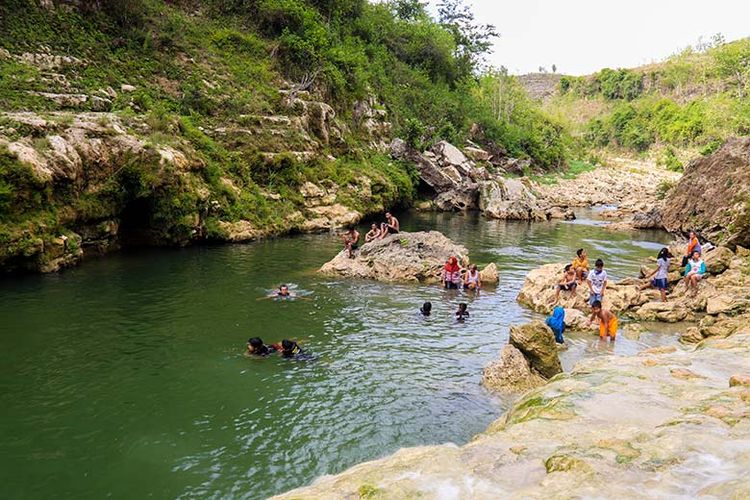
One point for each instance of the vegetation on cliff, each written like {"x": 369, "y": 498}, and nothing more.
{"x": 261, "y": 96}
{"x": 689, "y": 104}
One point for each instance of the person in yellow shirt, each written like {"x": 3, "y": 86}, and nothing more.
{"x": 581, "y": 264}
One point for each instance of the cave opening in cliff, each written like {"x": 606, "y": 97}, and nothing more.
{"x": 425, "y": 191}
{"x": 135, "y": 223}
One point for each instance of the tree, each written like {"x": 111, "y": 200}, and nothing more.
{"x": 473, "y": 40}
{"x": 408, "y": 10}
{"x": 542, "y": 69}
{"x": 733, "y": 61}
{"x": 554, "y": 68}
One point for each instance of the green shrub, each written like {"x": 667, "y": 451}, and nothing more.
{"x": 670, "y": 161}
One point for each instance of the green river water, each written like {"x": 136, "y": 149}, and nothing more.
{"x": 125, "y": 377}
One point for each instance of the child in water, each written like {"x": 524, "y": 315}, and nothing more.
{"x": 607, "y": 321}
{"x": 462, "y": 312}
{"x": 426, "y": 309}
{"x": 290, "y": 349}
{"x": 556, "y": 322}
{"x": 256, "y": 347}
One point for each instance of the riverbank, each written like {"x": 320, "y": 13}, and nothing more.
{"x": 587, "y": 433}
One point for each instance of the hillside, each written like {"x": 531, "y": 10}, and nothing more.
{"x": 145, "y": 122}
{"x": 687, "y": 105}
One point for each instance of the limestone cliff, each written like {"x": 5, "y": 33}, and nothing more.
{"x": 713, "y": 196}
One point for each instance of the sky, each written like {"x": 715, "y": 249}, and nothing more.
{"x": 584, "y": 36}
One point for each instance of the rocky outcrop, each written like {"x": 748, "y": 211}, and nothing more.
{"x": 511, "y": 373}
{"x": 399, "y": 257}
{"x": 538, "y": 292}
{"x": 459, "y": 184}
{"x": 528, "y": 360}
{"x": 615, "y": 427}
{"x": 537, "y": 343}
{"x": 713, "y": 196}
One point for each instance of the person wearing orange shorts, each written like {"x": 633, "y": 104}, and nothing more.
{"x": 607, "y": 321}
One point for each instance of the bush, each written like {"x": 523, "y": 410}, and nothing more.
{"x": 670, "y": 161}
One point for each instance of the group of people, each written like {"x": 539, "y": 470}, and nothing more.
{"x": 461, "y": 314}
{"x": 455, "y": 277}
{"x": 286, "y": 348}
{"x": 578, "y": 272}
{"x": 351, "y": 236}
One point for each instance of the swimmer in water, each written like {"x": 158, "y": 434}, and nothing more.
{"x": 282, "y": 292}
{"x": 256, "y": 347}
{"x": 462, "y": 312}
{"x": 426, "y": 309}
{"x": 290, "y": 349}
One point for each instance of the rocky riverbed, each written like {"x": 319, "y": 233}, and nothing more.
{"x": 588, "y": 433}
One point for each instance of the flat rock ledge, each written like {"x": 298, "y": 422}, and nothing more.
{"x": 616, "y": 427}
{"x": 404, "y": 257}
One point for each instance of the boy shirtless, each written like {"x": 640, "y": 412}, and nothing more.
{"x": 607, "y": 321}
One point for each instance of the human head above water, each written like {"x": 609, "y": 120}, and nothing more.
{"x": 287, "y": 345}
{"x": 426, "y": 308}
{"x": 254, "y": 343}
{"x": 462, "y": 307}
{"x": 284, "y": 289}
{"x": 599, "y": 264}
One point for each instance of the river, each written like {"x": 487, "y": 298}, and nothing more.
{"x": 125, "y": 377}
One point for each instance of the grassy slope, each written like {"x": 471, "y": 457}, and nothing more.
{"x": 687, "y": 105}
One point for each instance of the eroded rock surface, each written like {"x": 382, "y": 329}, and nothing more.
{"x": 405, "y": 256}
{"x": 587, "y": 434}
{"x": 713, "y": 195}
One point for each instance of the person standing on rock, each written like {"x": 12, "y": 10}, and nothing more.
{"x": 660, "y": 280}
{"x": 581, "y": 264}
{"x": 597, "y": 281}
{"x": 694, "y": 271}
{"x": 694, "y": 245}
{"x": 452, "y": 274}
{"x": 351, "y": 241}
{"x": 390, "y": 226}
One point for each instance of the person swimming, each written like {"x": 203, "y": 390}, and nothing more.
{"x": 426, "y": 309}
{"x": 463, "y": 312}
{"x": 256, "y": 347}
{"x": 290, "y": 349}
{"x": 283, "y": 291}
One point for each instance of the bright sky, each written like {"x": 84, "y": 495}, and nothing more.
{"x": 583, "y": 36}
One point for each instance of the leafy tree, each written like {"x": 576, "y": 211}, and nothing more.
{"x": 554, "y": 68}
{"x": 733, "y": 61}
{"x": 409, "y": 10}
{"x": 473, "y": 40}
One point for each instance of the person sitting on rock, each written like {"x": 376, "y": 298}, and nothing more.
{"x": 607, "y": 321}
{"x": 451, "y": 277}
{"x": 597, "y": 281}
{"x": 256, "y": 347}
{"x": 390, "y": 226}
{"x": 426, "y": 309}
{"x": 568, "y": 282}
{"x": 694, "y": 245}
{"x": 373, "y": 234}
{"x": 472, "y": 280}
{"x": 581, "y": 265}
{"x": 694, "y": 271}
{"x": 351, "y": 241}
{"x": 556, "y": 322}
{"x": 463, "y": 312}
{"x": 660, "y": 281}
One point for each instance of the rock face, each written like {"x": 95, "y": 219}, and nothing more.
{"x": 459, "y": 184}
{"x": 399, "y": 257}
{"x": 616, "y": 427}
{"x": 537, "y": 343}
{"x": 713, "y": 195}
{"x": 511, "y": 373}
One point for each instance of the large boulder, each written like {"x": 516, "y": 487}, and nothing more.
{"x": 463, "y": 197}
{"x": 712, "y": 197}
{"x": 405, "y": 256}
{"x": 538, "y": 292}
{"x": 718, "y": 259}
{"x": 510, "y": 199}
{"x": 511, "y": 373}
{"x": 537, "y": 343}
